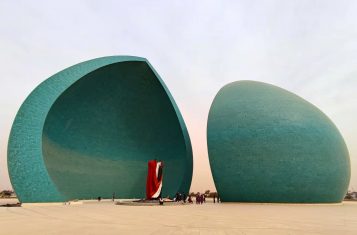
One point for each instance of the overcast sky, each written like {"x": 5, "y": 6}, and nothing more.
{"x": 307, "y": 47}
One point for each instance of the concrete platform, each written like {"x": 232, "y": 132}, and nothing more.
{"x": 209, "y": 218}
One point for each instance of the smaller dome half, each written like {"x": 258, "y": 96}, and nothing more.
{"x": 267, "y": 144}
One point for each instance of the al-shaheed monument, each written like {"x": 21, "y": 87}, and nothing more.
{"x": 91, "y": 129}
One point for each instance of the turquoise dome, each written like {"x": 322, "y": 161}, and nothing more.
{"x": 267, "y": 144}
{"x": 90, "y": 130}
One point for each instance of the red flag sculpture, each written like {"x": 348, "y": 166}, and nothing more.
{"x": 154, "y": 179}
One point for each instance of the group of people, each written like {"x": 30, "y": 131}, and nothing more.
{"x": 180, "y": 197}
{"x": 200, "y": 198}
{"x": 216, "y": 196}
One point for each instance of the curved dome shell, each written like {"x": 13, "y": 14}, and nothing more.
{"x": 90, "y": 130}
{"x": 266, "y": 144}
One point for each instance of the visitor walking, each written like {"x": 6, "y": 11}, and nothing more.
{"x": 178, "y": 197}
{"x": 190, "y": 199}
{"x": 198, "y": 197}
{"x": 201, "y": 199}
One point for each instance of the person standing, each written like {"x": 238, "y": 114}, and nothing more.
{"x": 190, "y": 199}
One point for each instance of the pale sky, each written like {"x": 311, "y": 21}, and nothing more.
{"x": 307, "y": 47}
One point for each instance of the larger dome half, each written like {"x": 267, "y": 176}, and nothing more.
{"x": 90, "y": 130}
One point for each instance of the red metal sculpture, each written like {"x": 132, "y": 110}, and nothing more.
{"x": 154, "y": 179}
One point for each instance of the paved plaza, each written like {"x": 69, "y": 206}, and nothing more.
{"x": 226, "y": 218}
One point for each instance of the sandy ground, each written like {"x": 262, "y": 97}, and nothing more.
{"x": 225, "y": 218}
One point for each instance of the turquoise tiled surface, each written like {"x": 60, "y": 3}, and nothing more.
{"x": 90, "y": 129}
{"x": 266, "y": 144}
